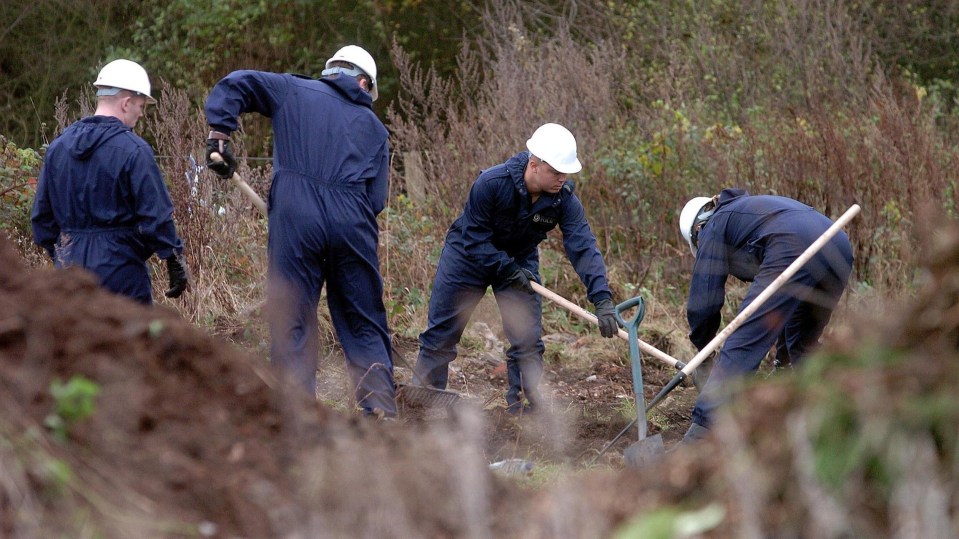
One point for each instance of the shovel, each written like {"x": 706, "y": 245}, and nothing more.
{"x": 591, "y": 318}
{"x": 646, "y": 449}
{"x": 721, "y": 337}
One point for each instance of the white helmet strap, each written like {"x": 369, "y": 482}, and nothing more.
{"x": 701, "y": 218}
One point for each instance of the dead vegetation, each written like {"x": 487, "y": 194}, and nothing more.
{"x": 190, "y": 438}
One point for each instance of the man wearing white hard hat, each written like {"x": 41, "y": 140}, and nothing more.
{"x": 330, "y": 172}
{"x": 508, "y": 213}
{"x": 101, "y": 203}
{"x": 755, "y": 238}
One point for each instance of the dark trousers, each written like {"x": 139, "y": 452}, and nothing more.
{"x": 793, "y": 319}
{"x": 320, "y": 235}
{"x": 457, "y": 289}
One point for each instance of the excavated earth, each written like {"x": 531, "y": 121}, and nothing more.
{"x": 192, "y": 436}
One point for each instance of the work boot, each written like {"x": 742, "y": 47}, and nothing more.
{"x": 695, "y": 433}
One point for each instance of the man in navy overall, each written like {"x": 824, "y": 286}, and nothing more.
{"x": 494, "y": 242}
{"x": 101, "y": 203}
{"x": 755, "y": 238}
{"x": 330, "y": 163}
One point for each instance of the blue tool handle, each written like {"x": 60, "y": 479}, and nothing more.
{"x": 629, "y": 304}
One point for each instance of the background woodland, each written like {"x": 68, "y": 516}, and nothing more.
{"x": 832, "y": 102}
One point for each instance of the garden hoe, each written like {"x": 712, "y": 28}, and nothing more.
{"x": 646, "y": 449}
{"x": 721, "y": 337}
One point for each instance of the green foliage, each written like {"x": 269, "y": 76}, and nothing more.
{"x": 672, "y": 523}
{"x": 414, "y": 242}
{"x": 57, "y": 474}
{"x": 48, "y": 47}
{"x": 668, "y": 99}
{"x": 19, "y": 169}
{"x": 73, "y": 402}
{"x": 868, "y": 409}
{"x": 155, "y": 328}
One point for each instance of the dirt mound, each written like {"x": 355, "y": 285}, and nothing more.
{"x": 189, "y": 436}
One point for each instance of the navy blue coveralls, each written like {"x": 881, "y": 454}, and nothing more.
{"x": 755, "y": 238}
{"x": 500, "y": 225}
{"x": 101, "y": 204}
{"x": 330, "y": 181}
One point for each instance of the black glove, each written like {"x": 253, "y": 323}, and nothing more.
{"x": 606, "y": 314}
{"x": 518, "y": 278}
{"x": 179, "y": 278}
{"x": 220, "y": 143}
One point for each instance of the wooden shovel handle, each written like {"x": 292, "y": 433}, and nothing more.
{"x": 245, "y": 187}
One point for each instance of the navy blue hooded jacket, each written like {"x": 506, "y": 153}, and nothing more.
{"x": 499, "y": 226}
{"x": 287, "y": 99}
{"x": 101, "y": 190}
{"x": 749, "y": 232}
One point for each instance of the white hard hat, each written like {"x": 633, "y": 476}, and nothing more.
{"x": 554, "y": 144}
{"x": 362, "y": 60}
{"x": 123, "y": 75}
{"x": 691, "y": 215}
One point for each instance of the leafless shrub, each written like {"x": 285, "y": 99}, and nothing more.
{"x": 511, "y": 84}
{"x": 65, "y": 115}
{"x": 224, "y": 238}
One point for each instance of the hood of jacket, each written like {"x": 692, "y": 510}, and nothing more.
{"x": 350, "y": 89}
{"x": 88, "y": 134}
{"x": 729, "y": 195}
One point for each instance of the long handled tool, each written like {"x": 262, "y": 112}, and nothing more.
{"x": 591, "y": 318}
{"x": 721, "y": 337}
{"x": 245, "y": 187}
{"x": 422, "y": 395}
{"x": 646, "y": 449}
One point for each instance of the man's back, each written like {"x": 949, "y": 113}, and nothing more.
{"x": 324, "y": 130}
{"x": 89, "y": 168}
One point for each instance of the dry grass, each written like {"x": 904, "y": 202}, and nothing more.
{"x": 725, "y": 96}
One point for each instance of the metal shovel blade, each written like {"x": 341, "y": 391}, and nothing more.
{"x": 644, "y": 452}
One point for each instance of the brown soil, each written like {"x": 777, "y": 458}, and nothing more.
{"x": 192, "y": 436}
{"x": 191, "y": 433}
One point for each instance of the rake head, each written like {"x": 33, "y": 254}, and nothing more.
{"x": 419, "y": 397}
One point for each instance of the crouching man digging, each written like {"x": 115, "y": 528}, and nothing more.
{"x": 508, "y": 212}
{"x": 755, "y": 238}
